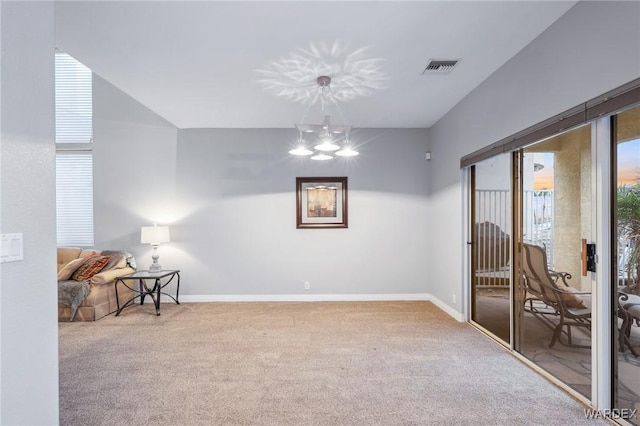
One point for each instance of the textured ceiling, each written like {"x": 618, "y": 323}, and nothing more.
{"x": 254, "y": 64}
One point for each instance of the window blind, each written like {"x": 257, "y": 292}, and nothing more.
{"x": 74, "y": 118}
{"x": 74, "y": 196}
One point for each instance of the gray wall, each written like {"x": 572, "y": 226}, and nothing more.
{"x": 229, "y": 197}
{"x": 134, "y": 169}
{"x": 239, "y": 236}
{"x": 28, "y": 308}
{"x": 593, "y": 48}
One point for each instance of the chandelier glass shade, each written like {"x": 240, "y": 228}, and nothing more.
{"x": 347, "y": 151}
{"x": 327, "y": 139}
{"x": 300, "y": 148}
{"x": 321, "y": 157}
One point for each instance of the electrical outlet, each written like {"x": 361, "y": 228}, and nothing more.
{"x": 454, "y": 298}
{"x": 307, "y": 285}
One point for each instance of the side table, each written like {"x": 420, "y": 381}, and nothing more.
{"x": 143, "y": 289}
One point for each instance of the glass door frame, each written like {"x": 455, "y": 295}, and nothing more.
{"x": 470, "y": 261}
{"x": 517, "y": 286}
{"x": 470, "y": 242}
{"x": 603, "y": 325}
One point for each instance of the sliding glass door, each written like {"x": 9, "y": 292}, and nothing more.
{"x": 552, "y": 309}
{"x": 626, "y": 282}
{"x": 491, "y": 245}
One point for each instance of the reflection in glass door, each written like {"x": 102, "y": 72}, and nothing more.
{"x": 627, "y": 220}
{"x": 553, "y": 314}
{"x": 491, "y": 245}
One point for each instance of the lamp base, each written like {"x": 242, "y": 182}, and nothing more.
{"x": 155, "y": 266}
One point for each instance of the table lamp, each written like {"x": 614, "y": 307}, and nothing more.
{"x": 154, "y": 235}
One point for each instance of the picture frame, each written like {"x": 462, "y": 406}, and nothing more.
{"x": 321, "y": 202}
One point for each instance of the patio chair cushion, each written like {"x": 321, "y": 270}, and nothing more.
{"x": 632, "y": 305}
{"x": 571, "y": 299}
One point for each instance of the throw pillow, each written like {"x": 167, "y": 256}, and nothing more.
{"x": 572, "y": 300}
{"x": 89, "y": 268}
{"x": 117, "y": 259}
{"x": 87, "y": 253}
{"x": 131, "y": 261}
{"x": 68, "y": 269}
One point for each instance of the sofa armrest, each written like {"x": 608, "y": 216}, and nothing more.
{"x": 110, "y": 275}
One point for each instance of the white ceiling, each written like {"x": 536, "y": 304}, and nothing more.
{"x": 196, "y": 63}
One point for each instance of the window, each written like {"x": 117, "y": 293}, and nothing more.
{"x": 74, "y": 152}
{"x": 74, "y": 196}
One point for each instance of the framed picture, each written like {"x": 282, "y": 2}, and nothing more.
{"x": 321, "y": 202}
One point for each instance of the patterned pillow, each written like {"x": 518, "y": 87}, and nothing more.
{"x": 68, "y": 269}
{"x": 89, "y": 268}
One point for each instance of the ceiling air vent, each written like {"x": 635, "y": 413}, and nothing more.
{"x": 440, "y": 66}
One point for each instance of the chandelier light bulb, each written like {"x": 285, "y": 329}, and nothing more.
{"x": 321, "y": 157}
{"x": 327, "y": 144}
{"x": 300, "y": 148}
{"x": 347, "y": 151}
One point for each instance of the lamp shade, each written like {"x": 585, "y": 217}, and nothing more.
{"x": 154, "y": 234}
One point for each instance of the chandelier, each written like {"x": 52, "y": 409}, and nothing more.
{"x": 326, "y": 139}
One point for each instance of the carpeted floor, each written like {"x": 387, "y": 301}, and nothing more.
{"x": 373, "y": 363}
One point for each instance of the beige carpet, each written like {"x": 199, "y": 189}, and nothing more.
{"x": 374, "y": 363}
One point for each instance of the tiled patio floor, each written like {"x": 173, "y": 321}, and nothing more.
{"x": 570, "y": 365}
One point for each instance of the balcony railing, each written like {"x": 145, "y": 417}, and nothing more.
{"x": 492, "y": 248}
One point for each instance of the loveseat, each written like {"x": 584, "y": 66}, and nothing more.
{"x": 88, "y": 276}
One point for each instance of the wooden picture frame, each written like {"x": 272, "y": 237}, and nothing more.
{"x": 321, "y": 202}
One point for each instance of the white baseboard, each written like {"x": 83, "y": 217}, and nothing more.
{"x": 458, "y": 316}
{"x": 318, "y": 298}
{"x": 301, "y": 297}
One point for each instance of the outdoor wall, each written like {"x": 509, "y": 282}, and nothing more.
{"x": 572, "y": 203}
{"x": 238, "y": 235}
{"x": 28, "y": 292}
{"x": 134, "y": 170}
{"x": 557, "y": 71}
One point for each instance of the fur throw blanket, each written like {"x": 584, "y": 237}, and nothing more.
{"x": 72, "y": 293}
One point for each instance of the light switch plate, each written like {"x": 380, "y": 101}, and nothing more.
{"x": 11, "y": 247}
